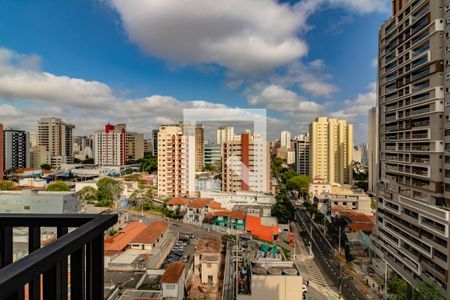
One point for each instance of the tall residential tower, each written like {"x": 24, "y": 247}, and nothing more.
{"x": 331, "y": 146}
{"x": 56, "y": 136}
{"x": 413, "y": 215}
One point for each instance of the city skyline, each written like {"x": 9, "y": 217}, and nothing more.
{"x": 114, "y": 74}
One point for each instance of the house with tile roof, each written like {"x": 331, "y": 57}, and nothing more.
{"x": 178, "y": 203}
{"x": 151, "y": 236}
{"x": 172, "y": 281}
{"x": 230, "y": 219}
{"x": 198, "y": 208}
{"x": 207, "y": 260}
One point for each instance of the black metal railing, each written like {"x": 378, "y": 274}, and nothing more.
{"x": 45, "y": 270}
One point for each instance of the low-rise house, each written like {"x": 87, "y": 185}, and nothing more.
{"x": 230, "y": 219}
{"x": 120, "y": 241}
{"x": 178, "y": 204}
{"x": 263, "y": 228}
{"x": 207, "y": 260}
{"x": 198, "y": 208}
{"x": 319, "y": 186}
{"x": 255, "y": 210}
{"x": 151, "y": 236}
{"x": 172, "y": 281}
{"x": 229, "y": 200}
{"x": 356, "y": 221}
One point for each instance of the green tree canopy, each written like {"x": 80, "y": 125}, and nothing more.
{"x": 7, "y": 185}
{"x": 88, "y": 194}
{"x": 46, "y": 167}
{"x": 427, "y": 291}
{"x": 108, "y": 191}
{"x": 149, "y": 164}
{"x": 298, "y": 183}
{"x": 397, "y": 288}
{"x": 58, "y": 186}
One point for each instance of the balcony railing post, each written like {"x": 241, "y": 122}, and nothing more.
{"x": 97, "y": 267}
{"x": 63, "y": 269}
{"x": 6, "y": 246}
{"x": 89, "y": 270}
{"x": 52, "y": 283}
{"x": 34, "y": 243}
{"x": 77, "y": 274}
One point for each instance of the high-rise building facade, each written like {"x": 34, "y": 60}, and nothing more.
{"x": 246, "y": 165}
{"x": 414, "y": 138}
{"x": 16, "y": 149}
{"x": 199, "y": 147}
{"x": 372, "y": 151}
{"x": 301, "y": 147}
{"x": 134, "y": 146}
{"x": 176, "y": 162}
{"x": 39, "y": 156}
{"x": 2, "y": 171}
{"x": 110, "y": 145}
{"x": 331, "y": 145}
{"x": 57, "y": 138}
{"x": 285, "y": 140}
{"x": 155, "y": 141}
{"x": 224, "y": 134}
{"x": 148, "y": 147}
{"x": 212, "y": 154}
{"x": 357, "y": 154}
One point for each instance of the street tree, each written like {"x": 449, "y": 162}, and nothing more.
{"x": 7, "y": 185}
{"x": 57, "y": 186}
{"x": 88, "y": 194}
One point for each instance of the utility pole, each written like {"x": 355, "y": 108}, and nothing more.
{"x": 385, "y": 277}
{"x": 236, "y": 259}
{"x": 339, "y": 249}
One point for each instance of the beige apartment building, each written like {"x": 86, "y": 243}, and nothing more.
{"x": 246, "y": 165}
{"x": 331, "y": 146}
{"x": 372, "y": 150}
{"x": 176, "y": 162}
{"x": 57, "y": 138}
{"x": 414, "y": 142}
{"x": 199, "y": 147}
{"x": 134, "y": 145}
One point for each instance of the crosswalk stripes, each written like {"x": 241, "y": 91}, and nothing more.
{"x": 314, "y": 272}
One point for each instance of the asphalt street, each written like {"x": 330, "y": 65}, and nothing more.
{"x": 326, "y": 259}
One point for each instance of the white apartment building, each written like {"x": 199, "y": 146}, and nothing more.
{"x": 176, "y": 162}
{"x": 285, "y": 139}
{"x": 224, "y": 134}
{"x": 110, "y": 145}
{"x": 246, "y": 165}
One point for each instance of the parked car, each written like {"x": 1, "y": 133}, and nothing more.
{"x": 185, "y": 258}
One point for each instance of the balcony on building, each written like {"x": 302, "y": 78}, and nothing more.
{"x": 71, "y": 266}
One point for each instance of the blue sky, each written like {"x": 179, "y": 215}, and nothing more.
{"x": 142, "y": 62}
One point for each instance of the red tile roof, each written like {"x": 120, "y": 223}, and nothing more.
{"x": 254, "y": 226}
{"x": 120, "y": 241}
{"x": 178, "y": 201}
{"x": 215, "y": 205}
{"x": 200, "y": 203}
{"x": 151, "y": 233}
{"x": 364, "y": 227}
{"x": 231, "y": 214}
{"x": 172, "y": 273}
